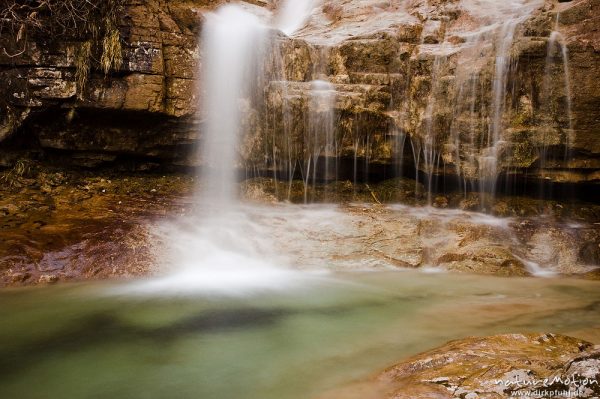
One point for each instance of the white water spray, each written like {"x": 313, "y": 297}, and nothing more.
{"x": 293, "y": 15}
{"x": 221, "y": 250}
{"x": 229, "y": 38}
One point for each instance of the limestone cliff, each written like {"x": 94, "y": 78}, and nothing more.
{"x": 417, "y": 83}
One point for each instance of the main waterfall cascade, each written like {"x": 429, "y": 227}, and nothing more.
{"x": 230, "y": 39}
{"x": 222, "y": 249}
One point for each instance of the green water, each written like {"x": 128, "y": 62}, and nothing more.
{"x": 83, "y": 341}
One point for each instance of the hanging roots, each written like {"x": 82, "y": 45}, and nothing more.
{"x": 72, "y": 19}
{"x": 83, "y": 60}
{"x": 111, "y": 51}
{"x": 92, "y": 22}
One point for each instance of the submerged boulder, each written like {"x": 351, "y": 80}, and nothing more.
{"x": 501, "y": 366}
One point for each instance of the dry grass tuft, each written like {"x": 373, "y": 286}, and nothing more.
{"x": 83, "y": 61}
{"x": 93, "y": 23}
{"x": 112, "y": 56}
{"x": 22, "y": 168}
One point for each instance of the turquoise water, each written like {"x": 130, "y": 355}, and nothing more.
{"x": 85, "y": 341}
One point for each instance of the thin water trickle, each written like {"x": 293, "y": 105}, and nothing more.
{"x": 556, "y": 96}
{"x": 320, "y": 139}
{"x": 476, "y": 150}
{"x": 558, "y": 47}
{"x": 489, "y": 162}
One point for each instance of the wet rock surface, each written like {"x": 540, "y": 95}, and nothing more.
{"x": 59, "y": 225}
{"x": 545, "y": 365}
{"x": 389, "y": 225}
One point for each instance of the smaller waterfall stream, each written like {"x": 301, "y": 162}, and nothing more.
{"x": 556, "y": 96}
{"x": 293, "y": 14}
{"x": 471, "y": 87}
{"x": 558, "y": 47}
{"x": 488, "y": 163}
{"x": 426, "y": 149}
{"x": 320, "y": 140}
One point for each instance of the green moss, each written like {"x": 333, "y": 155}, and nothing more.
{"x": 523, "y": 155}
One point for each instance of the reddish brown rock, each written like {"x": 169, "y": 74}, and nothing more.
{"x": 500, "y": 366}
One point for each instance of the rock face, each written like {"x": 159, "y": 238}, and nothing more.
{"x": 416, "y": 85}
{"x": 512, "y": 365}
{"x": 501, "y": 366}
{"x": 143, "y": 109}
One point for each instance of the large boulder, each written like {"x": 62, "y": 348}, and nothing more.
{"x": 511, "y": 365}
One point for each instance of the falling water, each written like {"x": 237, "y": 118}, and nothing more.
{"x": 293, "y": 15}
{"x": 320, "y": 141}
{"x": 230, "y": 36}
{"x": 551, "y": 93}
{"x": 557, "y": 46}
{"x": 221, "y": 250}
{"x": 488, "y": 163}
{"x": 427, "y": 147}
{"x": 471, "y": 108}
{"x": 464, "y": 136}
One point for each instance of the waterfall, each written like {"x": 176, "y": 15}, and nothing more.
{"x": 492, "y": 148}
{"x": 558, "y": 48}
{"x": 293, "y": 15}
{"x": 230, "y": 39}
{"x": 550, "y": 94}
{"x": 462, "y": 89}
{"x": 320, "y": 141}
{"x": 305, "y": 146}
{"x": 222, "y": 250}
{"x": 427, "y": 147}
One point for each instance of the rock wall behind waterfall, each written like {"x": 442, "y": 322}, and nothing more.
{"x": 412, "y": 87}
{"x": 143, "y": 109}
